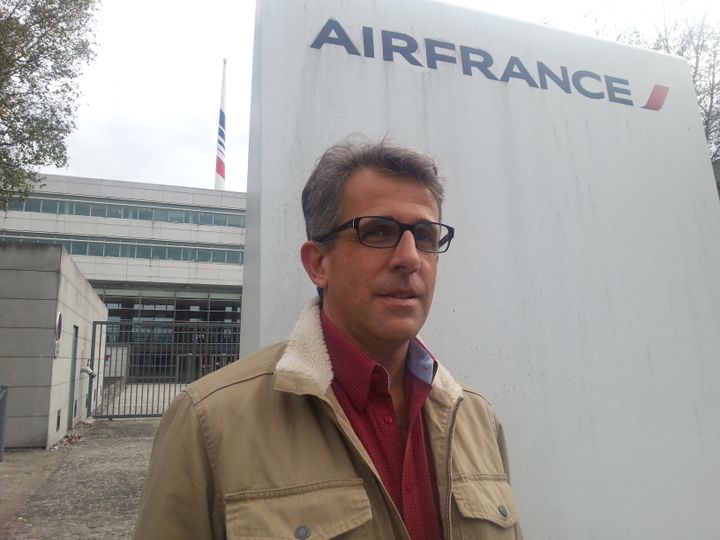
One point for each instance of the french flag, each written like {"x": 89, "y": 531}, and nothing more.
{"x": 220, "y": 159}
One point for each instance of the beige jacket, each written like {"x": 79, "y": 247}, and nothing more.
{"x": 261, "y": 449}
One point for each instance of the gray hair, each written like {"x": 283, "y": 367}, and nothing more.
{"x": 322, "y": 196}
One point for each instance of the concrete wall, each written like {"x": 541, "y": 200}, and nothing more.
{"x": 37, "y": 282}
{"x": 114, "y": 189}
{"x": 29, "y": 278}
{"x": 159, "y": 271}
{"x": 80, "y": 307}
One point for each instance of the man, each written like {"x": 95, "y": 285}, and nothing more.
{"x": 351, "y": 429}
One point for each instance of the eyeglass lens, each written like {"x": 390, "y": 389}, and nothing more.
{"x": 383, "y": 233}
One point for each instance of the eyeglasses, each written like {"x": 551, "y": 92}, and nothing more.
{"x": 384, "y": 232}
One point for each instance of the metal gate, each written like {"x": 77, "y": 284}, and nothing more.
{"x": 141, "y": 366}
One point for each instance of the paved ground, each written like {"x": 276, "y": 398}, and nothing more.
{"x": 88, "y": 487}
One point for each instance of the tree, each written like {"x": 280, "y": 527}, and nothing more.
{"x": 43, "y": 46}
{"x": 695, "y": 38}
{"x": 698, "y": 41}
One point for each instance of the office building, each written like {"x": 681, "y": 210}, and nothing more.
{"x": 152, "y": 252}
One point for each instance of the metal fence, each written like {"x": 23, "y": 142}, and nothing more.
{"x": 141, "y": 366}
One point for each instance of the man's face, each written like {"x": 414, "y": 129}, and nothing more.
{"x": 380, "y": 298}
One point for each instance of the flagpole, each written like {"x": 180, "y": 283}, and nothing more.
{"x": 220, "y": 159}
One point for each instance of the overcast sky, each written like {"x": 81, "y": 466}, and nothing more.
{"x": 150, "y": 99}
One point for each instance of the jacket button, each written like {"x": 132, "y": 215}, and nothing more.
{"x": 503, "y": 511}
{"x": 302, "y": 532}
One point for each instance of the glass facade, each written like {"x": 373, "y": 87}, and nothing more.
{"x": 58, "y": 204}
{"x": 150, "y": 315}
{"x": 167, "y": 305}
{"x": 133, "y": 249}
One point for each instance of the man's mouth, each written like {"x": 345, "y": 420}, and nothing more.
{"x": 401, "y": 294}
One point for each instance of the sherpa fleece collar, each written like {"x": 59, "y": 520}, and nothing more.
{"x": 306, "y": 356}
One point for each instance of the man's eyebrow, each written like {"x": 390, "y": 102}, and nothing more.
{"x": 421, "y": 220}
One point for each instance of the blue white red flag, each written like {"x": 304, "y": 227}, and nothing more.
{"x": 220, "y": 159}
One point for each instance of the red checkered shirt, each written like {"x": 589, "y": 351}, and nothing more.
{"x": 405, "y": 466}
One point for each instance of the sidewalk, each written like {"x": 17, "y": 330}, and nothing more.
{"x": 88, "y": 488}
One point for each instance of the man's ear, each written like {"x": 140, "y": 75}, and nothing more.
{"x": 313, "y": 258}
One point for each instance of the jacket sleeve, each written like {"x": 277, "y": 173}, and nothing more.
{"x": 502, "y": 446}
{"x": 178, "y": 496}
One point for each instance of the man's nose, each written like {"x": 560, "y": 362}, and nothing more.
{"x": 405, "y": 256}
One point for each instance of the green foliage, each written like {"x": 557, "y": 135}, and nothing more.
{"x": 43, "y": 46}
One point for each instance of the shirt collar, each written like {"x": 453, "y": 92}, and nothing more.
{"x": 420, "y": 362}
{"x": 355, "y": 372}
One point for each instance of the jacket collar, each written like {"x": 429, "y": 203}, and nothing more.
{"x": 305, "y": 366}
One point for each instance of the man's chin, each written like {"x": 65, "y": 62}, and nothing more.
{"x": 400, "y": 331}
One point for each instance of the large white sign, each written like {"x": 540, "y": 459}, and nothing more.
{"x": 582, "y": 292}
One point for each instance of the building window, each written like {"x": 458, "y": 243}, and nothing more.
{"x": 82, "y": 209}
{"x": 65, "y": 207}
{"x": 98, "y": 210}
{"x": 143, "y": 252}
{"x": 148, "y": 249}
{"x": 16, "y": 204}
{"x": 127, "y": 250}
{"x": 95, "y": 249}
{"x": 235, "y": 220}
{"x": 49, "y": 207}
{"x": 32, "y": 205}
{"x": 78, "y": 248}
{"x": 114, "y": 211}
{"x": 58, "y": 204}
{"x": 158, "y": 252}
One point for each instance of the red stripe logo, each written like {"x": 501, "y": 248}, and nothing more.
{"x": 657, "y": 98}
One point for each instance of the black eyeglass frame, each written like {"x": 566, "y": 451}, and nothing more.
{"x": 354, "y": 223}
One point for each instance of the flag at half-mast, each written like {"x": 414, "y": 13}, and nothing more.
{"x": 220, "y": 159}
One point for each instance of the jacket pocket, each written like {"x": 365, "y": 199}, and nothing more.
{"x": 486, "y": 506}
{"x": 316, "y": 511}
